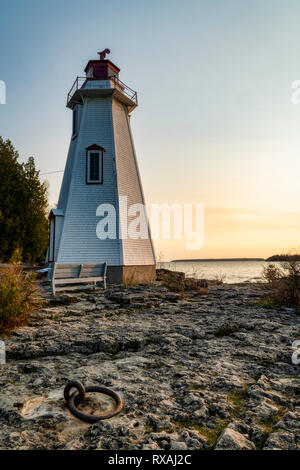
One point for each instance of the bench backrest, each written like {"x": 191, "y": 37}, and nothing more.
{"x": 92, "y": 270}
{"x": 69, "y": 271}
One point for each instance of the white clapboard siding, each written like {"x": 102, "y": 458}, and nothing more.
{"x": 139, "y": 251}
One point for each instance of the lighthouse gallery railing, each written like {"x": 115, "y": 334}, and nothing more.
{"x": 112, "y": 82}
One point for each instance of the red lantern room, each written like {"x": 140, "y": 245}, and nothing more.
{"x": 101, "y": 69}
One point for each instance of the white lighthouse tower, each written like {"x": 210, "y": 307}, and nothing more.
{"x": 101, "y": 170}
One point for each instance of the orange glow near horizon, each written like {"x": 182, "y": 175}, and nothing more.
{"x": 236, "y": 233}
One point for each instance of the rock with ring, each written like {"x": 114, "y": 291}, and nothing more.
{"x": 78, "y": 396}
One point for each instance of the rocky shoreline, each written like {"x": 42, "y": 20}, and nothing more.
{"x": 196, "y": 371}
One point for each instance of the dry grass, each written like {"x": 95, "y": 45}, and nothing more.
{"x": 219, "y": 279}
{"x": 130, "y": 281}
{"x": 18, "y": 297}
{"x": 283, "y": 283}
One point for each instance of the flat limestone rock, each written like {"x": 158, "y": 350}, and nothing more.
{"x": 233, "y": 440}
{"x": 2, "y": 353}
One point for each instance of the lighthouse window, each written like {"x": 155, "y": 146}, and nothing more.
{"x": 75, "y": 120}
{"x": 94, "y": 167}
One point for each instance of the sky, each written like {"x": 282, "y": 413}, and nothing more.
{"x": 215, "y": 123}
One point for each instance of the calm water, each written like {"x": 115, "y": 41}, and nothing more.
{"x": 231, "y": 271}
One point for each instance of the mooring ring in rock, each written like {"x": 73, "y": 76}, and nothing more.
{"x": 74, "y": 384}
{"x": 76, "y": 398}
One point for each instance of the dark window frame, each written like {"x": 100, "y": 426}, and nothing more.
{"x": 75, "y": 121}
{"x": 94, "y": 149}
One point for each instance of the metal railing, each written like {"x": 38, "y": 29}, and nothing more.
{"x": 79, "y": 81}
{"x": 114, "y": 82}
{"x": 129, "y": 92}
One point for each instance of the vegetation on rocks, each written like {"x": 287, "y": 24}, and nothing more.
{"x": 283, "y": 284}
{"x": 177, "y": 282}
{"x": 18, "y": 297}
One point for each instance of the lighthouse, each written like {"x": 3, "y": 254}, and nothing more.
{"x": 101, "y": 182}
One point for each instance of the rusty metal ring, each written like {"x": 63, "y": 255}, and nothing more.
{"x": 75, "y": 399}
{"x": 74, "y": 384}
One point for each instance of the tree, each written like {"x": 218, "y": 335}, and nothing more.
{"x": 23, "y": 207}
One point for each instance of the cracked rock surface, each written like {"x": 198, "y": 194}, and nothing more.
{"x": 200, "y": 372}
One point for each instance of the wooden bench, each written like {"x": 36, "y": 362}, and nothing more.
{"x": 64, "y": 274}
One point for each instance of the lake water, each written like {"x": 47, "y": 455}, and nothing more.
{"x": 230, "y": 271}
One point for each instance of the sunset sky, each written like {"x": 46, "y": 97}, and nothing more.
{"x": 215, "y": 122}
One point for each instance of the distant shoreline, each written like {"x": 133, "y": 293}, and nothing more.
{"x": 215, "y": 259}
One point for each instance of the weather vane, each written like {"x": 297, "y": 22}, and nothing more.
{"x": 103, "y": 54}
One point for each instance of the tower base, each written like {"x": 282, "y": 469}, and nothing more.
{"x": 131, "y": 274}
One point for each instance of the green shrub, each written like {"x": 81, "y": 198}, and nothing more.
{"x": 16, "y": 257}
{"x": 18, "y": 297}
{"x": 266, "y": 303}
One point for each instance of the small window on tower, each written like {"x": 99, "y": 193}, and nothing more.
{"x": 94, "y": 165}
{"x": 75, "y": 120}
